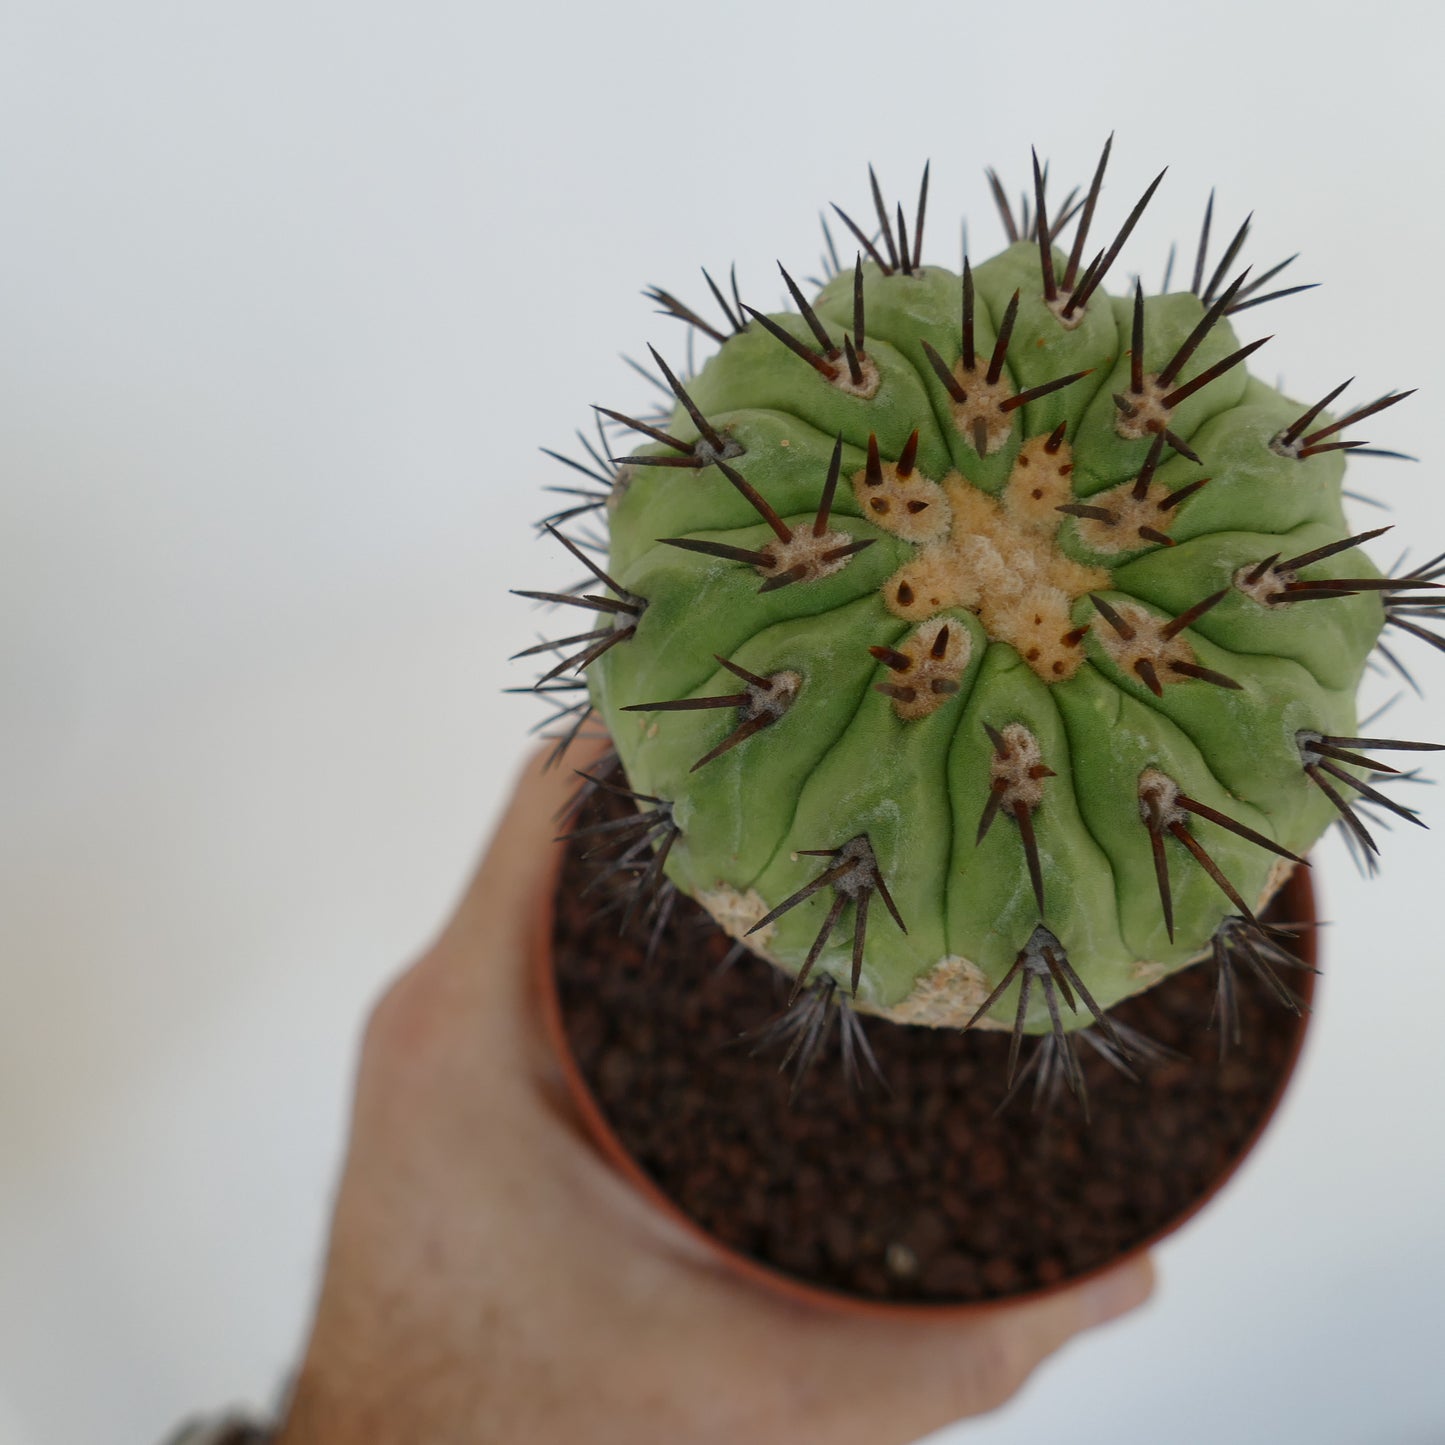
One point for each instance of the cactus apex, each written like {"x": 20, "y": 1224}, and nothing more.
{"x": 932, "y": 550}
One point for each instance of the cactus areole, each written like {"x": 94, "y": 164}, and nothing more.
{"x": 982, "y": 647}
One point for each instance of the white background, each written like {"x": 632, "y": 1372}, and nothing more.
{"x": 290, "y": 294}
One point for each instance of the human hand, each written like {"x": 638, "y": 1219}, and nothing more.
{"x": 491, "y": 1279}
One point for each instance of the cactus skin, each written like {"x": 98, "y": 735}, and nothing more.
{"x": 969, "y": 704}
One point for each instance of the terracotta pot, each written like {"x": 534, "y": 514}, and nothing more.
{"x": 1298, "y": 904}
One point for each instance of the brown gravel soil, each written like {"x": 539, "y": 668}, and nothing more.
{"x": 921, "y": 1192}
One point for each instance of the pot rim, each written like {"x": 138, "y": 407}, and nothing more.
{"x": 1297, "y": 889}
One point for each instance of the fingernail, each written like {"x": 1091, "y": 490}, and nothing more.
{"x": 1117, "y": 1292}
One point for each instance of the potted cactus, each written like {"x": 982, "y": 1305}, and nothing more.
{"x": 977, "y": 651}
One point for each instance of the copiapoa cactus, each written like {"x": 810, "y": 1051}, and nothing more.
{"x": 982, "y": 648}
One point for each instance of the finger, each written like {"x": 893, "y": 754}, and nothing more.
{"x": 1043, "y": 1326}
{"x": 941, "y": 1371}
{"x": 1012, "y": 1345}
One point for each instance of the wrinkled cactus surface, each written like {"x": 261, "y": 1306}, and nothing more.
{"x": 987, "y": 643}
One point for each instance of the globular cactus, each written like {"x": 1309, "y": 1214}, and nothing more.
{"x": 985, "y": 645}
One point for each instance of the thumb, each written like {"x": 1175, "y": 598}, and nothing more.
{"x": 466, "y": 999}
{"x": 510, "y": 886}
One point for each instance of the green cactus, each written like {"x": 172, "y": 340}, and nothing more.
{"x": 1018, "y": 609}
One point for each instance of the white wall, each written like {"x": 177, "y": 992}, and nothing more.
{"x": 289, "y": 296}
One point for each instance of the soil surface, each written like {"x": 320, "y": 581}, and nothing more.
{"x": 921, "y": 1191}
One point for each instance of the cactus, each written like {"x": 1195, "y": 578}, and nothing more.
{"x": 983, "y": 649}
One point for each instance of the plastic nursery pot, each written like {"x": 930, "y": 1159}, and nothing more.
{"x": 651, "y": 1058}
